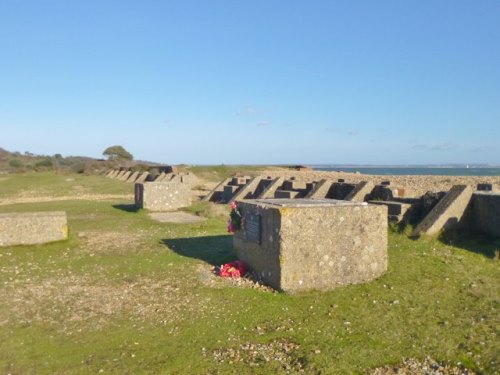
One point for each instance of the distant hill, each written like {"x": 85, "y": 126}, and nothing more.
{"x": 12, "y": 162}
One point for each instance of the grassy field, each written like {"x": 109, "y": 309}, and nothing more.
{"x": 129, "y": 295}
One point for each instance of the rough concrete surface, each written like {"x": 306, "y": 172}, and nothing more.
{"x": 307, "y": 246}
{"x": 28, "y": 228}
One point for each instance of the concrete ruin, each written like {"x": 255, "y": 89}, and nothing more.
{"x": 162, "y": 196}
{"x": 309, "y": 244}
{"x": 30, "y": 228}
{"x": 450, "y": 214}
{"x": 447, "y": 213}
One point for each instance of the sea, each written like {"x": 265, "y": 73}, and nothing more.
{"x": 403, "y": 170}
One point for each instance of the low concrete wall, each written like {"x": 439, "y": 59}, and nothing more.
{"x": 162, "y": 196}
{"x": 483, "y": 214}
{"x": 312, "y": 244}
{"x": 29, "y": 228}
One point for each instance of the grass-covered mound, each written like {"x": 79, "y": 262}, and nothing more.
{"x": 129, "y": 295}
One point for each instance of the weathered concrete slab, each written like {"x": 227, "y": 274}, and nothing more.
{"x": 216, "y": 193}
{"x": 29, "y": 228}
{"x": 312, "y": 244}
{"x": 361, "y": 192}
{"x": 125, "y": 176}
{"x": 162, "y": 196}
{"x": 120, "y": 175}
{"x": 247, "y": 191}
{"x": 447, "y": 212}
{"x": 320, "y": 189}
{"x": 269, "y": 191}
{"x": 142, "y": 177}
{"x": 133, "y": 177}
{"x": 160, "y": 177}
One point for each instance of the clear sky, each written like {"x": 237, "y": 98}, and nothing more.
{"x": 253, "y": 81}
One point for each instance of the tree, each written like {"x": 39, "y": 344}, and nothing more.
{"x": 117, "y": 153}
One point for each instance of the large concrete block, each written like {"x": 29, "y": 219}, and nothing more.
{"x": 312, "y": 244}
{"x": 28, "y": 228}
{"x": 320, "y": 189}
{"x": 484, "y": 213}
{"x": 247, "y": 191}
{"x": 270, "y": 190}
{"x": 447, "y": 213}
{"x": 361, "y": 192}
{"x": 162, "y": 196}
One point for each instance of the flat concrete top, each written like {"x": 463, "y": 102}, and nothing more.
{"x": 306, "y": 202}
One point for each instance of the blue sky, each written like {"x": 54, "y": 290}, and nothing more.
{"x": 253, "y": 82}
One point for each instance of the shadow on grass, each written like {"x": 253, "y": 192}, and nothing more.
{"x": 126, "y": 207}
{"x": 473, "y": 242}
{"x": 214, "y": 250}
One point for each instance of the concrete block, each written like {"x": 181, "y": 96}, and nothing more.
{"x": 247, "y": 191}
{"x": 361, "y": 192}
{"x": 239, "y": 180}
{"x": 142, "y": 177}
{"x": 270, "y": 190}
{"x": 29, "y": 228}
{"x": 485, "y": 187}
{"x": 160, "y": 177}
{"x": 162, "y": 196}
{"x": 447, "y": 212}
{"x": 340, "y": 190}
{"x": 312, "y": 244}
{"x": 125, "y": 176}
{"x": 294, "y": 185}
{"x": 133, "y": 177}
{"x": 119, "y": 175}
{"x": 320, "y": 189}
{"x": 216, "y": 193}
{"x": 229, "y": 192}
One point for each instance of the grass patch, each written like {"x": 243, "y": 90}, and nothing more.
{"x": 220, "y": 172}
{"x": 128, "y": 295}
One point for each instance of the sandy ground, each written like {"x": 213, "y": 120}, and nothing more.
{"x": 414, "y": 186}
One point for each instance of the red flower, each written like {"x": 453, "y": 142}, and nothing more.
{"x": 233, "y": 269}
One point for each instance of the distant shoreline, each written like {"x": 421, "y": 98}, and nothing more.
{"x": 412, "y": 171}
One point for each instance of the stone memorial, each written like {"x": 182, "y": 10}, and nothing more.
{"x": 312, "y": 244}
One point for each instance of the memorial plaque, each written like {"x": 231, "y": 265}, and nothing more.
{"x": 252, "y": 228}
